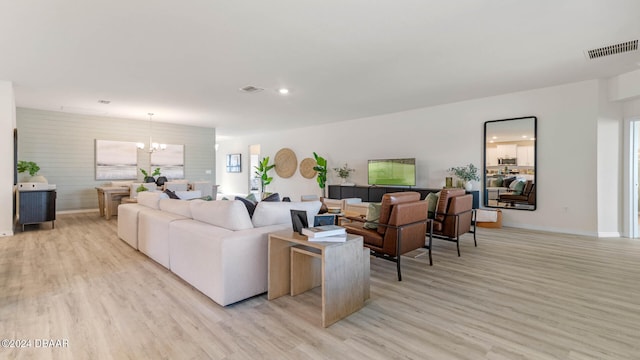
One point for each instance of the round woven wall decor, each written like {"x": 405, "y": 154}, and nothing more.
{"x": 286, "y": 163}
{"x": 306, "y": 168}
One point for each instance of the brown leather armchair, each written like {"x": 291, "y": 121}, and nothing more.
{"x": 400, "y": 229}
{"x": 528, "y": 195}
{"x": 453, "y": 217}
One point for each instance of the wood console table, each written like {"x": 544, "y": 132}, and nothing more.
{"x": 108, "y": 199}
{"x": 341, "y": 269}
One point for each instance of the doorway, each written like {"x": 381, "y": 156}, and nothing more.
{"x": 632, "y": 179}
{"x": 254, "y": 161}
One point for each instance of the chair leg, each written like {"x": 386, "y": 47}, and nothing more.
{"x": 475, "y": 230}
{"x": 458, "y": 244}
{"x": 430, "y": 245}
{"x": 398, "y": 256}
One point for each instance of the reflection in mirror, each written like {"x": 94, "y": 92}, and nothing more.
{"x": 510, "y": 163}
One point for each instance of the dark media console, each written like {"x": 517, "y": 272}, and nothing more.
{"x": 374, "y": 193}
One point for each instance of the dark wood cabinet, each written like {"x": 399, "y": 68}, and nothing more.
{"x": 374, "y": 193}
{"x": 36, "y": 206}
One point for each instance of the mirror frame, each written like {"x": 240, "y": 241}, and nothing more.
{"x": 535, "y": 166}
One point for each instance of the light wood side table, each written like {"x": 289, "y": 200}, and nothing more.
{"x": 340, "y": 268}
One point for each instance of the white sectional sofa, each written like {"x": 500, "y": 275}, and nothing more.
{"x": 213, "y": 245}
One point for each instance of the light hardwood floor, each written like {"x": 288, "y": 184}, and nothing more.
{"x": 518, "y": 295}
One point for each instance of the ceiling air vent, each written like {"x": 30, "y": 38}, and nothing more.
{"x": 250, "y": 89}
{"x": 613, "y": 49}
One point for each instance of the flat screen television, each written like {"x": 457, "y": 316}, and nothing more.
{"x": 401, "y": 172}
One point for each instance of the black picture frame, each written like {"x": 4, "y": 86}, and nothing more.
{"x": 234, "y": 163}
{"x": 299, "y": 220}
{"x": 321, "y": 220}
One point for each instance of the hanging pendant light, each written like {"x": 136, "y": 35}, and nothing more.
{"x": 152, "y": 146}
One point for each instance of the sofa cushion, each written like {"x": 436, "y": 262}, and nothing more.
{"x": 432, "y": 202}
{"x": 373, "y": 215}
{"x": 507, "y": 182}
{"x": 151, "y": 199}
{"x": 171, "y": 194}
{"x": 272, "y": 197}
{"x": 188, "y": 195}
{"x": 231, "y": 215}
{"x": 517, "y": 189}
{"x": 250, "y": 205}
{"x": 272, "y": 213}
{"x": 178, "y": 207}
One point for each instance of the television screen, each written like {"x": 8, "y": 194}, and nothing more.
{"x": 392, "y": 172}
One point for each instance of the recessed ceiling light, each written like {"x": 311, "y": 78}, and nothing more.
{"x": 524, "y": 136}
{"x": 283, "y": 91}
{"x": 104, "y": 101}
{"x": 495, "y": 137}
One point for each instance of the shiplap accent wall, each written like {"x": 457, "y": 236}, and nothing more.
{"x": 63, "y": 145}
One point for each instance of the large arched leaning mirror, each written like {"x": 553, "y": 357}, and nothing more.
{"x": 510, "y": 163}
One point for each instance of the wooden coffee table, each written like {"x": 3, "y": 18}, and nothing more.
{"x": 341, "y": 269}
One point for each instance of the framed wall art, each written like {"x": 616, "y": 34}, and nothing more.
{"x": 116, "y": 160}
{"x": 170, "y": 161}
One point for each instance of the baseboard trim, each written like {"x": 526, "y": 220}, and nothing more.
{"x": 77, "y": 211}
{"x": 609, "y": 234}
{"x": 550, "y": 229}
{"x": 4, "y": 233}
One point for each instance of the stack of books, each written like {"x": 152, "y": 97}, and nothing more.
{"x": 328, "y": 233}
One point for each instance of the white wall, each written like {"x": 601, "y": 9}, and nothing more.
{"x": 449, "y": 135}
{"x": 610, "y": 165}
{"x": 7, "y": 124}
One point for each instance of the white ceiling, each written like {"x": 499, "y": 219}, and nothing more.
{"x": 341, "y": 59}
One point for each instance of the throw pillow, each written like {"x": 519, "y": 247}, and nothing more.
{"x": 432, "y": 202}
{"x": 252, "y": 197}
{"x": 171, "y": 194}
{"x": 250, "y": 205}
{"x": 272, "y": 197}
{"x": 518, "y": 188}
{"x": 373, "y": 215}
{"x": 507, "y": 182}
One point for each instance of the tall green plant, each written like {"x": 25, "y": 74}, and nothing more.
{"x": 321, "y": 168}
{"x": 262, "y": 171}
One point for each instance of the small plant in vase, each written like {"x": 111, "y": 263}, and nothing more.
{"x": 32, "y": 168}
{"x": 344, "y": 172}
{"x": 150, "y": 178}
{"x": 466, "y": 173}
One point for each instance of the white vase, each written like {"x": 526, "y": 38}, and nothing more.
{"x": 468, "y": 185}
{"x": 39, "y": 179}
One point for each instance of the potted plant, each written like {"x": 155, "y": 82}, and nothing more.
{"x": 32, "y": 168}
{"x": 141, "y": 188}
{"x": 321, "y": 168}
{"x": 149, "y": 178}
{"x": 466, "y": 173}
{"x": 344, "y": 173}
{"x": 160, "y": 180}
{"x": 262, "y": 172}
